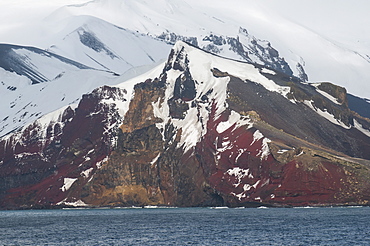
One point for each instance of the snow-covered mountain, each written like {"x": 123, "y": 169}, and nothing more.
{"x": 88, "y": 115}
{"x": 197, "y": 130}
{"x": 36, "y": 82}
{"x": 103, "y": 46}
{"x": 326, "y": 47}
{"x": 86, "y": 54}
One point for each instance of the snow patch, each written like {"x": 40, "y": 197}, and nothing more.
{"x": 155, "y": 159}
{"x": 301, "y": 153}
{"x": 247, "y": 187}
{"x": 325, "y": 94}
{"x": 225, "y": 145}
{"x": 86, "y": 173}
{"x": 223, "y": 126}
{"x": 268, "y": 71}
{"x": 265, "y": 150}
{"x": 282, "y": 151}
{"x": 240, "y": 153}
{"x": 68, "y": 182}
{"x": 257, "y": 135}
{"x": 78, "y": 203}
{"x": 326, "y": 115}
{"x": 328, "y": 96}
{"x": 100, "y": 163}
{"x": 239, "y": 173}
{"x": 236, "y": 120}
{"x": 359, "y": 127}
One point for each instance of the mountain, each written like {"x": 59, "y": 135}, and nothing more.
{"x": 83, "y": 59}
{"x": 35, "y": 82}
{"x": 35, "y": 64}
{"x": 198, "y": 130}
{"x": 284, "y": 36}
{"x": 103, "y": 46}
{"x": 316, "y": 48}
{"x": 249, "y": 108}
{"x": 75, "y": 47}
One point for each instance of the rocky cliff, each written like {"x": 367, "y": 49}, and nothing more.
{"x": 203, "y": 131}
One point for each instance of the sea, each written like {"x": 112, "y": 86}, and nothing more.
{"x": 187, "y": 226}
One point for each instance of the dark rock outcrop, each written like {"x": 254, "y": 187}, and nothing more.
{"x": 245, "y": 46}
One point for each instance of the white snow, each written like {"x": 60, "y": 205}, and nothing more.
{"x": 126, "y": 50}
{"x": 68, "y": 182}
{"x": 235, "y": 120}
{"x": 223, "y": 126}
{"x": 326, "y": 115}
{"x": 21, "y": 107}
{"x": 239, "y": 173}
{"x": 86, "y": 173}
{"x": 155, "y": 159}
{"x": 301, "y": 153}
{"x": 331, "y": 43}
{"x": 359, "y": 127}
{"x": 247, "y": 187}
{"x": 78, "y": 203}
{"x": 28, "y": 103}
{"x": 257, "y": 135}
{"x": 325, "y": 94}
{"x": 268, "y": 71}
{"x": 282, "y": 151}
{"x": 239, "y": 196}
{"x": 100, "y": 163}
{"x": 265, "y": 150}
{"x": 331, "y": 118}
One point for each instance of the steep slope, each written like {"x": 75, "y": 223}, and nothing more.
{"x": 103, "y": 46}
{"x": 199, "y": 130}
{"x": 37, "y": 65}
{"x": 91, "y": 58}
{"x": 34, "y": 82}
{"x": 23, "y": 102}
{"x": 216, "y": 25}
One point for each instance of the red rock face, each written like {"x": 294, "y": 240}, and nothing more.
{"x": 307, "y": 187}
{"x": 39, "y": 162}
{"x": 235, "y": 167}
{"x": 235, "y": 163}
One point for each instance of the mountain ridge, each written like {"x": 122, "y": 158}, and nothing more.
{"x": 286, "y": 36}
{"x": 191, "y": 136}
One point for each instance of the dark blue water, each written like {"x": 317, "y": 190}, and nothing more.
{"x": 187, "y": 226}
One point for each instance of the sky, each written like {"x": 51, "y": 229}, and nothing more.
{"x": 342, "y": 21}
